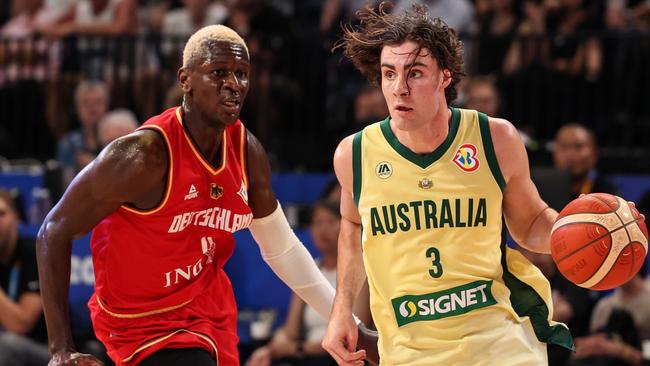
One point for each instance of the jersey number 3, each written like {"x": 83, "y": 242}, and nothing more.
{"x": 436, "y": 267}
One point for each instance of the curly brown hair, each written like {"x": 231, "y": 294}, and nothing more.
{"x": 378, "y": 28}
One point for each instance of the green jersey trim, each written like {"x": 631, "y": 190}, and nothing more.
{"x": 528, "y": 303}
{"x": 423, "y": 161}
{"x": 488, "y": 147}
{"x": 356, "y": 167}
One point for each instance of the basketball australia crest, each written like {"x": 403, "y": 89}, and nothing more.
{"x": 216, "y": 191}
{"x": 384, "y": 170}
{"x": 466, "y": 158}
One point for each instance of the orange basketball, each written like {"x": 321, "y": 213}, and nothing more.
{"x": 599, "y": 241}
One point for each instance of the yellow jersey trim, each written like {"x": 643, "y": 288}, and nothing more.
{"x": 168, "y": 188}
{"x": 242, "y": 156}
{"x": 199, "y": 156}
{"x": 167, "y": 336}
{"x": 143, "y": 314}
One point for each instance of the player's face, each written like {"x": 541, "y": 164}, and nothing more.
{"x": 574, "y": 151}
{"x": 412, "y": 84}
{"x": 220, "y": 83}
{"x": 324, "y": 228}
{"x": 92, "y": 104}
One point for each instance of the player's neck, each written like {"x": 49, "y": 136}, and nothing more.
{"x": 429, "y": 137}
{"x": 207, "y": 136}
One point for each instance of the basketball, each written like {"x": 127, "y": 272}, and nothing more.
{"x": 599, "y": 241}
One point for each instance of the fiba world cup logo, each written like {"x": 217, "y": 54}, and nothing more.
{"x": 466, "y": 158}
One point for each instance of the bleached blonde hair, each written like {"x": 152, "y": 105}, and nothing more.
{"x": 195, "y": 48}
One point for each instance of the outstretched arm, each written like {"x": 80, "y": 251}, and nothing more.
{"x": 127, "y": 171}
{"x": 280, "y": 247}
{"x": 528, "y": 217}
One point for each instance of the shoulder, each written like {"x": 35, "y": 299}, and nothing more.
{"x": 343, "y": 151}
{"x": 141, "y": 153}
{"x": 503, "y": 131}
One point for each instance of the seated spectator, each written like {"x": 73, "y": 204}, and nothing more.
{"x": 195, "y": 14}
{"x": 34, "y": 14}
{"x": 23, "y": 335}
{"x": 298, "y": 341}
{"x": 115, "y": 124}
{"x": 80, "y": 147}
{"x": 575, "y": 149}
{"x": 97, "y": 18}
{"x": 620, "y": 322}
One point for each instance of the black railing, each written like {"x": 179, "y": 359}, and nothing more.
{"x": 301, "y": 99}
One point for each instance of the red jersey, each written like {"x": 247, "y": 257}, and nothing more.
{"x": 159, "y": 279}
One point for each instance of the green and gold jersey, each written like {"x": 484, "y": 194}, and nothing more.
{"x": 444, "y": 287}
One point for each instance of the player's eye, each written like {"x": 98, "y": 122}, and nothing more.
{"x": 389, "y": 75}
{"x": 415, "y": 73}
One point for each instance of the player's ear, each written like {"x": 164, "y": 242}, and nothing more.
{"x": 446, "y": 78}
{"x": 184, "y": 79}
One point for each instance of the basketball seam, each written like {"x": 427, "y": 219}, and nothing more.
{"x": 587, "y": 244}
{"x": 615, "y": 213}
{"x": 595, "y": 240}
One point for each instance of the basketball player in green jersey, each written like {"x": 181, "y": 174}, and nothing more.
{"x": 424, "y": 196}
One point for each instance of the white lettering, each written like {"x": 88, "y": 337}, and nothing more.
{"x": 185, "y": 275}
{"x": 482, "y": 289}
{"x": 471, "y": 296}
{"x": 440, "y": 307}
{"x": 424, "y": 308}
{"x": 458, "y": 300}
{"x": 197, "y": 268}
{"x": 176, "y": 223}
{"x": 168, "y": 277}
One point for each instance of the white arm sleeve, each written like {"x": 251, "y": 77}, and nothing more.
{"x": 291, "y": 261}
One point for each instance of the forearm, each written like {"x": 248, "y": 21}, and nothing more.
{"x": 538, "y": 236}
{"x": 11, "y": 316}
{"x": 350, "y": 274}
{"x": 53, "y": 254}
{"x": 291, "y": 261}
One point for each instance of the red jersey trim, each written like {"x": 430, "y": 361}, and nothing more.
{"x": 243, "y": 154}
{"x": 206, "y": 165}
{"x": 143, "y": 314}
{"x": 168, "y": 188}
{"x": 167, "y": 336}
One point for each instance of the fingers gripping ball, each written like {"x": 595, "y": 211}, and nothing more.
{"x": 599, "y": 241}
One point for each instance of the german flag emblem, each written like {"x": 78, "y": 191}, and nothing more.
{"x": 216, "y": 191}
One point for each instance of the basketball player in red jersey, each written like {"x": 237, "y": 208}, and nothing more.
{"x": 164, "y": 202}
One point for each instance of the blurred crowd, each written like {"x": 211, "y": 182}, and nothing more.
{"x": 572, "y": 75}
{"x": 551, "y": 62}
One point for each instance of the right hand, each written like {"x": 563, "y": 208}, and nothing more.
{"x": 341, "y": 341}
{"x": 74, "y": 359}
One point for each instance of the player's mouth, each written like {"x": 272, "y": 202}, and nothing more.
{"x": 231, "y": 105}
{"x": 402, "y": 109}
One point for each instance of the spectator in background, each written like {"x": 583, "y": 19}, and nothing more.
{"x": 34, "y": 14}
{"x": 195, "y": 14}
{"x": 22, "y": 329}
{"x": 457, "y": 14}
{"x": 115, "y": 124}
{"x": 80, "y": 147}
{"x": 98, "y": 18}
{"x": 481, "y": 94}
{"x": 498, "y": 22}
{"x": 298, "y": 341}
{"x": 616, "y": 339}
{"x": 575, "y": 149}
